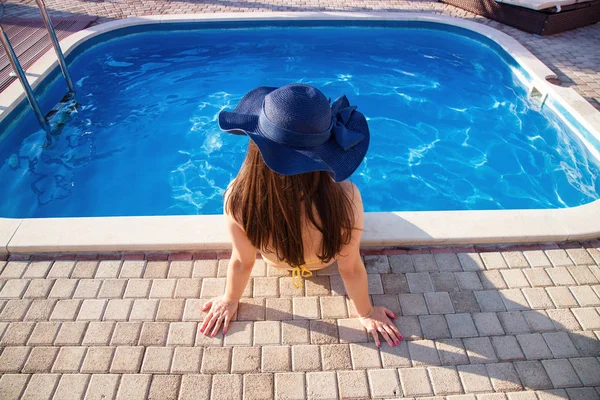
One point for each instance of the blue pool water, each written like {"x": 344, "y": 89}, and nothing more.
{"x": 451, "y": 126}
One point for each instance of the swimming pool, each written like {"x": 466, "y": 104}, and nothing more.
{"x": 452, "y": 125}
{"x": 382, "y": 228}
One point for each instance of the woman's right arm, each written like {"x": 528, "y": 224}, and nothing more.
{"x": 352, "y": 270}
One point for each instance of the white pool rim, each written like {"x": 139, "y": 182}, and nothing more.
{"x": 382, "y": 229}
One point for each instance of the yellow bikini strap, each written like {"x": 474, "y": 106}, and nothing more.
{"x": 298, "y": 273}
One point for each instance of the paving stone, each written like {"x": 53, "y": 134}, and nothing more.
{"x": 108, "y": 269}
{"x": 538, "y": 277}
{"x": 474, "y": 378}
{"x": 84, "y": 269}
{"x": 17, "y": 333}
{"x": 419, "y": 282}
{"x": 468, "y": 280}
{"x": 180, "y": 269}
{"x": 412, "y": 304}
{"x": 514, "y": 300}
{"x": 442, "y": 281}
{"x": 493, "y": 260}
{"x": 504, "y": 377}
{"x": 70, "y": 333}
{"x": 290, "y": 386}
{"x": 246, "y": 360}
{"x": 158, "y": 360}
{"x": 13, "y": 289}
{"x": 306, "y": 358}
{"x": 439, "y": 303}
{"x": 69, "y": 359}
{"x": 335, "y": 357}
{"x": 278, "y": 309}
{"x": 392, "y": 284}
{"x": 216, "y": 360}
{"x": 383, "y": 383}
{"x": 127, "y": 359}
{"x": 480, "y": 350}
{"x": 167, "y": 386}
{"x": 564, "y": 320}
{"x": 287, "y": 289}
{"x": 560, "y": 345}
{"x": 163, "y": 288}
{"x": 90, "y": 310}
{"x": 423, "y": 352}
{"x": 239, "y": 333}
{"x": 321, "y": 385}
{"x": 353, "y": 384}
{"x": 295, "y": 332}
{"x": 97, "y": 360}
{"x": 587, "y": 343}
{"x": 375, "y": 284}
{"x": 561, "y": 373}
{"x": 409, "y": 327}
{"x": 306, "y": 307}
{"x": 489, "y": 301}
{"x": 445, "y": 380}
{"x": 562, "y": 297}
{"x": 585, "y": 296}
{"x": 87, "y": 288}
{"x": 507, "y": 348}
{"x": 464, "y": 302}
{"x": 389, "y": 301}
{"x": 323, "y": 331}
{"x": 424, "y": 262}
{"x": 396, "y": 356}
{"x": 492, "y": 280}
{"x": 143, "y": 310}
{"x": 13, "y": 270}
{"x": 533, "y": 375}
{"x": 461, "y": 325}
{"x": 212, "y": 287}
{"x": 377, "y": 264}
{"x": 71, "y": 386}
{"x": 487, "y": 324}
{"x": 588, "y": 370}
{"x": 36, "y": 269}
{"x": 132, "y": 269}
{"x": 276, "y": 359}
{"x": 38, "y": 289}
{"x": 112, "y": 288}
{"x": 195, "y": 387}
{"x": 415, "y": 382}
{"x": 13, "y": 358}
{"x": 267, "y": 332}
{"x": 170, "y": 310}
{"x": 451, "y": 352}
{"x": 364, "y": 355}
{"x": 102, "y": 386}
{"x": 580, "y": 256}
{"x": 40, "y": 387}
{"x": 15, "y": 310}
{"x": 434, "y": 326}
{"x": 538, "y": 321}
{"x": 401, "y": 263}
{"x": 117, "y": 310}
{"x": 65, "y": 310}
{"x": 126, "y": 333}
{"x": 205, "y": 269}
{"x": 534, "y": 347}
{"x": 266, "y": 287}
{"x": 138, "y": 288}
{"x": 39, "y": 310}
{"x": 582, "y": 394}
{"x": 583, "y": 275}
{"x": 559, "y": 257}
{"x": 513, "y": 322}
{"x": 588, "y": 318}
{"x": 334, "y": 307}
{"x": 447, "y": 262}
{"x": 537, "y": 258}
{"x": 154, "y": 334}
{"x": 471, "y": 262}
{"x": 40, "y": 360}
{"x": 134, "y": 386}
{"x": 537, "y": 298}
{"x": 258, "y": 386}
{"x": 560, "y": 276}
{"x": 515, "y": 259}
{"x": 98, "y": 333}
{"x": 44, "y": 333}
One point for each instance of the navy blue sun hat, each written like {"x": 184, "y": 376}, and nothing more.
{"x": 297, "y": 131}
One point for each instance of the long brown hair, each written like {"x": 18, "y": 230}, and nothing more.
{"x": 270, "y": 208}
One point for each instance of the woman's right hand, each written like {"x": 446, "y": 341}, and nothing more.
{"x": 221, "y": 312}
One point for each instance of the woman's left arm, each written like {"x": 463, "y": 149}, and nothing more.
{"x": 242, "y": 260}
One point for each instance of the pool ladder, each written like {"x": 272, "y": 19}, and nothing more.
{"x": 14, "y": 61}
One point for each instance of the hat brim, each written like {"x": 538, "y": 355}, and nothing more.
{"x": 285, "y": 160}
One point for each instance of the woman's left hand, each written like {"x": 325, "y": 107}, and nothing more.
{"x": 378, "y": 321}
{"x": 221, "y": 312}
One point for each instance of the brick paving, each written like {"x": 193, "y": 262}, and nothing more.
{"x": 520, "y": 323}
{"x": 573, "y": 56}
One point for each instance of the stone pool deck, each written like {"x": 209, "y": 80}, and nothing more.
{"x": 479, "y": 323}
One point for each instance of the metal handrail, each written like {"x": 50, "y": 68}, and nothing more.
{"x": 14, "y": 62}
{"x": 59, "y": 53}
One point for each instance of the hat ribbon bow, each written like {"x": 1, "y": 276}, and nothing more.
{"x": 341, "y": 111}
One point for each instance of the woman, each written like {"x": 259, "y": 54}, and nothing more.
{"x": 290, "y": 200}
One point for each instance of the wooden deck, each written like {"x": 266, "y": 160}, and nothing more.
{"x": 30, "y": 40}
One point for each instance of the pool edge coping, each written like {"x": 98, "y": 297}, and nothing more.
{"x": 382, "y": 229}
